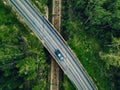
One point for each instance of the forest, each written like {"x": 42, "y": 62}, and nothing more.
{"x": 90, "y": 27}
{"x": 92, "y": 30}
{"x": 23, "y": 62}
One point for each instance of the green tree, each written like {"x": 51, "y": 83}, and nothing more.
{"x": 89, "y": 26}
{"x": 112, "y": 58}
{"x": 22, "y": 57}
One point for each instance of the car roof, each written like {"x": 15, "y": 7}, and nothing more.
{"x": 59, "y": 55}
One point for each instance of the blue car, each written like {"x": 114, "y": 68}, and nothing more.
{"x": 59, "y": 55}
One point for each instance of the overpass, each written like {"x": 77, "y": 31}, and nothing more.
{"x": 53, "y": 41}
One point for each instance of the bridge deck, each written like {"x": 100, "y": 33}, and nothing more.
{"x": 52, "y": 40}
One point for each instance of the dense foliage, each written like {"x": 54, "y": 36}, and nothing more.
{"x": 92, "y": 29}
{"x": 22, "y": 57}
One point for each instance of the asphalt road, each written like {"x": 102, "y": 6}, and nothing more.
{"x": 52, "y": 40}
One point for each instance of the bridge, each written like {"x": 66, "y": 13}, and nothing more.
{"x": 53, "y": 41}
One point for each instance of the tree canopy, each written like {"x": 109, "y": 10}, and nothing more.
{"x": 22, "y": 57}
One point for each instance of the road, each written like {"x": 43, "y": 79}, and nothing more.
{"x": 52, "y": 40}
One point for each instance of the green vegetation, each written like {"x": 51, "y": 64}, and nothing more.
{"x": 91, "y": 28}
{"x": 40, "y": 4}
{"x": 22, "y": 57}
{"x": 67, "y": 84}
